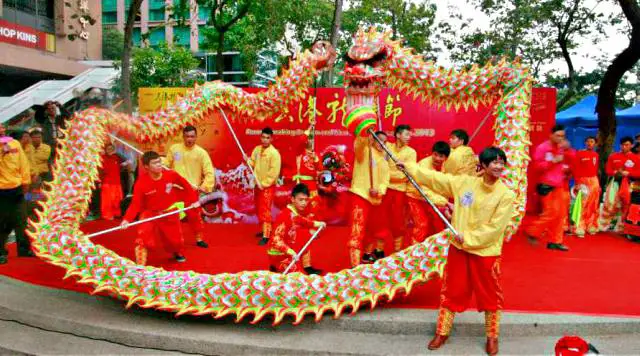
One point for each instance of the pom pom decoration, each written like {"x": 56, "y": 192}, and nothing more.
{"x": 359, "y": 119}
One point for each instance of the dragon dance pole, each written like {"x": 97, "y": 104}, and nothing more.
{"x": 296, "y": 258}
{"x": 413, "y": 182}
{"x": 233, "y": 133}
{"x": 136, "y": 150}
{"x": 203, "y": 200}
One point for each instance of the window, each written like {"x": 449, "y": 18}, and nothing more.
{"x": 156, "y": 15}
{"x": 109, "y": 17}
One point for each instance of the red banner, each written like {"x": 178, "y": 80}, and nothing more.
{"x": 22, "y": 35}
{"x": 429, "y": 124}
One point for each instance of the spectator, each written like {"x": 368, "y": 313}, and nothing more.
{"x": 14, "y": 182}
{"x": 52, "y": 118}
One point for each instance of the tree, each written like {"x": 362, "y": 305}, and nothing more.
{"x": 537, "y": 31}
{"x": 410, "y": 20}
{"x": 134, "y": 8}
{"x": 223, "y": 15}
{"x": 622, "y": 63}
{"x": 336, "y": 24}
{"x": 112, "y": 44}
{"x": 165, "y": 67}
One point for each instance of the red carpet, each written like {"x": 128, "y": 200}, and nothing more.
{"x": 600, "y": 275}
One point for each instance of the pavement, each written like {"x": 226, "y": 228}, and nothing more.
{"x": 36, "y": 320}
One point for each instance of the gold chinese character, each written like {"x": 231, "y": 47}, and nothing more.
{"x": 312, "y": 112}
{"x": 390, "y": 110}
{"x": 336, "y": 106}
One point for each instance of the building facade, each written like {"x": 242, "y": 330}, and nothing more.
{"x": 154, "y": 25}
{"x": 45, "y": 39}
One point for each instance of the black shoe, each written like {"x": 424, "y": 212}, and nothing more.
{"x": 26, "y": 254}
{"x": 180, "y": 258}
{"x": 559, "y": 247}
{"x": 202, "y": 244}
{"x": 368, "y": 258}
{"x": 272, "y": 269}
{"x": 259, "y": 235}
{"x": 311, "y": 270}
{"x": 3, "y": 260}
{"x": 263, "y": 241}
{"x": 378, "y": 254}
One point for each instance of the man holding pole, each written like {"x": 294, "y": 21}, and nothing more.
{"x": 585, "y": 173}
{"x": 425, "y": 220}
{"x": 292, "y": 228}
{"x": 368, "y": 185}
{"x": 483, "y": 207}
{"x": 153, "y": 194}
{"x": 193, "y": 163}
{"x": 395, "y": 201}
{"x": 265, "y": 162}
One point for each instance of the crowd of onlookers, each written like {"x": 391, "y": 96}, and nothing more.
{"x": 584, "y": 209}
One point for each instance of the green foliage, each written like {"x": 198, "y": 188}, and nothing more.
{"x": 589, "y": 82}
{"x": 412, "y": 21}
{"x": 534, "y": 30}
{"x": 112, "y": 44}
{"x": 165, "y": 67}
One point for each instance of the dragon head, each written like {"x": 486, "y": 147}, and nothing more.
{"x": 365, "y": 64}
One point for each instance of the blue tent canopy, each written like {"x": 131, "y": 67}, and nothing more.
{"x": 581, "y": 114}
{"x": 630, "y": 115}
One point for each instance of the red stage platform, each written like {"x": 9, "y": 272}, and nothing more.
{"x": 600, "y": 275}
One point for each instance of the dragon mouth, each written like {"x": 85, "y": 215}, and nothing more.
{"x": 362, "y": 89}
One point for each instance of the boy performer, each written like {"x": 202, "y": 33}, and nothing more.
{"x": 265, "y": 161}
{"x": 462, "y": 160}
{"x": 193, "y": 163}
{"x": 585, "y": 173}
{"x": 425, "y": 221}
{"x": 292, "y": 229}
{"x": 368, "y": 184}
{"x": 153, "y": 194}
{"x": 395, "y": 200}
{"x": 111, "y": 188}
{"x": 622, "y": 167}
{"x": 307, "y": 164}
{"x": 483, "y": 206}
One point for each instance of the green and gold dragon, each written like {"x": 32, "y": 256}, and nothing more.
{"x": 373, "y": 60}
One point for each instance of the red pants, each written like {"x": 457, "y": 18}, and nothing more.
{"x": 555, "y": 213}
{"x": 467, "y": 274}
{"x": 264, "y": 203}
{"x": 194, "y": 216}
{"x": 394, "y": 203}
{"x": 166, "y": 230}
{"x": 620, "y": 205}
{"x": 425, "y": 221}
{"x": 366, "y": 223}
{"x": 110, "y": 199}
{"x": 590, "y": 205}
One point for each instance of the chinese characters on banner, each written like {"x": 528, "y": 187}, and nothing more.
{"x": 327, "y": 106}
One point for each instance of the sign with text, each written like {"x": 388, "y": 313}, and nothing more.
{"x": 327, "y": 106}
{"x": 26, "y": 36}
{"x": 153, "y": 99}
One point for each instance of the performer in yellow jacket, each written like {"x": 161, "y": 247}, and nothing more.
{"x": 193, "y": 163}
{"x": 395, "y": 201}
{"x": 15, "y": 178}
{"x": 368, "y": 186}
{"x": 426, "y": 222}
{"x": 265, "y": 161}
{"x": 462, "y": 160}
{"x": 483, "y": 207}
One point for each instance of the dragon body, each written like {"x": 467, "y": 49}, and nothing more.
{"x": 374, "y": 59}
